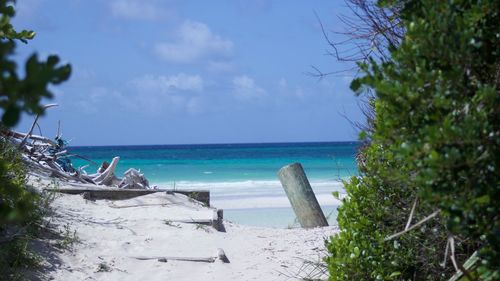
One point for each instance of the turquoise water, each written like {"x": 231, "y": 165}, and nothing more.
{"x": 241, "y": 177}
{"x": 274, "y": 217}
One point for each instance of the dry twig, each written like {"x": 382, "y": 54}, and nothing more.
{"x": 413, "y": 226}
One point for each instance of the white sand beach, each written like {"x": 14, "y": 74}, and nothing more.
{"x": 104, "y": 238}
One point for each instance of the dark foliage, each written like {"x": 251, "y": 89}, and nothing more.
{"x": 23, "y": 94}
{"x": 436, "y": 139}
{"x": 20, "y": 208}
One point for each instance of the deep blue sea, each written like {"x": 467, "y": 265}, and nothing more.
{"x": 241, "y": 177}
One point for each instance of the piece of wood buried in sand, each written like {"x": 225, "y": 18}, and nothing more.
{"x": 301, "y": 196}
{"x": 114, "y": 193}
{"x": 202, "y": 196}
{"x": 221, "y": 255}
{"x": 216, "y": 222}
{"x": 165, "y": 259}
{"x": 140, "y": 205}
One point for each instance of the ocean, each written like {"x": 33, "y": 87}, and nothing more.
{"x": 242, "y": 178}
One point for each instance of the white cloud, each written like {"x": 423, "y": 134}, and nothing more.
{"x": 245, "y": 87}
{"x": 282, "y": 83}
{"x": 220, "y": 66}
{"x": 168, "y": 84}
{"x": 162, "y": 94}
{"x": 299, "y": 92}
{"x": 138, "y": 10}
{"x": 194, "y": 105}
{"x": 96, "y": 98}
{"x": 194, "y": 41}
{"x": 30, "y": 13}
{"x": 148, "y": 94}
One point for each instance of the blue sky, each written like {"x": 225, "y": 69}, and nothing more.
{"x": 180, "y": 72}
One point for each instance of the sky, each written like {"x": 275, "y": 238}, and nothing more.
{"x": 191, "y": 72}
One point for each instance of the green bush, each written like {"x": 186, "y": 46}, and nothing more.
{"x": 436, "y": 138}
{"x": 20, "y": 213}
{"x": 20, "y": 209}
{"x": 16, "y": 203}
{"x": 17, "y": 95}
{"x": 378, "y": 205}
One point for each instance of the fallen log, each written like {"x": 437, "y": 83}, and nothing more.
{"x": 87, "y": 179}
{"x": 140, "y": 205}
{"x": 221, "y": 255}
{"x": 165, "y": 259}
{"x": 216, "y": 221}
{"x": 202, "y": 196}
{"x": 20, "y": 136}
{"x": 97, "y": 193}
{"x": 54, "y": 170}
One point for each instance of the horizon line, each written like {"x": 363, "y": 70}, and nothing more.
{"x": 201, "y": 144}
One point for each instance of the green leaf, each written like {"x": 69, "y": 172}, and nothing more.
{"x": 11, "y": 116}
{"x": 336, "y": 194}
{"x": 363, "y": 135}
{"x": 394, "y": 274}
{"x": 356, "y": 85}
{"x": 483, "y": 200}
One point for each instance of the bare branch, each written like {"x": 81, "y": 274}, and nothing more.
{"x": 413, "y": 226}
{"x": 446, "y": 253}
{"x": 451, "y": 242}
{"x": 458, "y": 266}
{"x": 58, "y": 129}
{"x": 411, "y": 213}
{"x": 369, "y": 30}
{"x": 320, "y": 75}
{"x": 23, "y": 141}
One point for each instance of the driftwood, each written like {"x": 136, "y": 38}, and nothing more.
{"x": 45, "y": 155}
{"x": 50, "y": 157}
{"x": 140, "y": 205}
{"x": 96, "y": 193}
{"x": 44, "y": 140}
{"x": 107, "y": 175}
{"x": 165, "y": 259}
{"x": 133, "y": 179}
{"x": 25, "y": 138}
{"x": 217, "y": 221}
{"x": 221, "y": 255}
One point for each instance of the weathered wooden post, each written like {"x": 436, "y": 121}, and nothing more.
{"x": 301, "y": 196}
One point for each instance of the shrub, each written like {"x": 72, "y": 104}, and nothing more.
{"x": 20, "y": 213}
{"x": 436, "y": 138}
{"x": 17, "y": 203}
{"x": 20, "y": 209}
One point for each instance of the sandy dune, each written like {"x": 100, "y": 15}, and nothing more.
{"x": 110, "y": 234}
